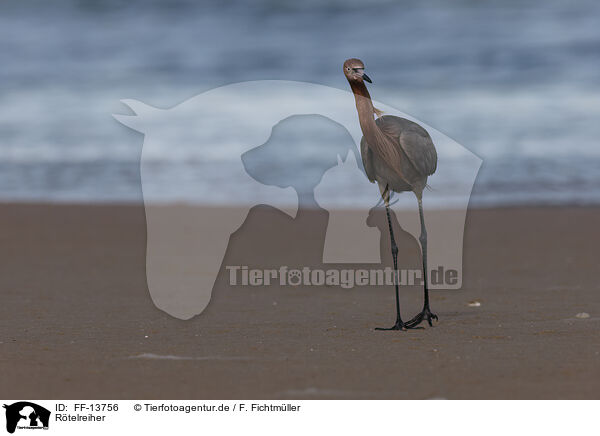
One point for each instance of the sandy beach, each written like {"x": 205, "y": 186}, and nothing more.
{"x": 77, "y": 320}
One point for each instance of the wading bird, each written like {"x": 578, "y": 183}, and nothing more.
{"x": 399, "y": 155}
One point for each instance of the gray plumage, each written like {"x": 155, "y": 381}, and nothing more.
{"x": 417, "y": 156}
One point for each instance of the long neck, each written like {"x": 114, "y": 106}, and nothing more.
{"x": 364, "y": 107}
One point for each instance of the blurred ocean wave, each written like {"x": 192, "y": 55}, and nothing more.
{"x": 515, "y": 82}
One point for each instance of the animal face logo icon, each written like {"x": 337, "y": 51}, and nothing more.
{"x": 26, "y": 415}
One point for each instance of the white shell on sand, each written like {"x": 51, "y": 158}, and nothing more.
{"x": 582, "y": 315}
{"x": 474, "y": 303}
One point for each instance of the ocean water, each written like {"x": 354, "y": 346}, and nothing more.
{"x": 515, "y": 82}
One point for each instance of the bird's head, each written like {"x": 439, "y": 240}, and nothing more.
{"x": 354, "y": 70}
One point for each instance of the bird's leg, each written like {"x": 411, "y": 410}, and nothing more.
{"x": 399, "y": 324}
{"x": 426, "y": 312}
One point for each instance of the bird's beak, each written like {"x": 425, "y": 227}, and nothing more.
{"x": 366, "y": 78}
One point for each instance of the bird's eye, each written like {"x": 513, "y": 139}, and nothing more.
{"x": 348, "y": 68}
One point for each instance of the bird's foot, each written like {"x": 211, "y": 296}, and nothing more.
{"x": 398, "y": 326}
{"x": 425, "y": 315}
{"x": 395, "y": 327}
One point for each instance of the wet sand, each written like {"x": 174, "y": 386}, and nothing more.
{"x": 78, "y": 322}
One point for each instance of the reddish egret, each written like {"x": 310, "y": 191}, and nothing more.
{"x": 399, "y": 155}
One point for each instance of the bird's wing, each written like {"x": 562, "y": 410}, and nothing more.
{"x": 367, "y": 159}
{"x": 414, "y": 141}
{"x": 420, "y": 151}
